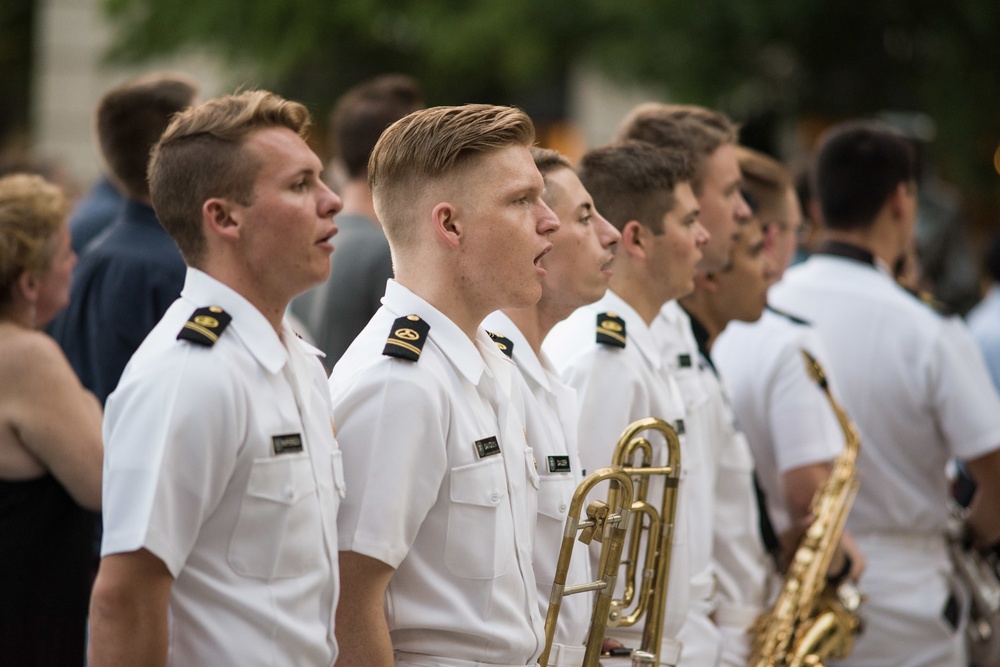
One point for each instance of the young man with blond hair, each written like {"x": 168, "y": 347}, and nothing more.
{"x": 222, "y": 475}
{"x": 437, "y": 528}
{"x": 577, "y": 271}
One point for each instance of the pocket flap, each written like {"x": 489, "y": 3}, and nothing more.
{"x": 282, "y": 479}
{"x": 555, "y": 493}
{"x": 480, "y": 483}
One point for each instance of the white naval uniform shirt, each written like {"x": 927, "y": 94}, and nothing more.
{"x": 551, "y": 421}
{"x": 784, "y": 414}
{"x": 457, "y": 528}
{"x": 742, "y": 563}
{"x": 615, "y": 386}
{"x": 917, "y": 388}
{"x": 914, "y": 383}
{"x": 672, "y": 330}
{"x": 192, "y": 473}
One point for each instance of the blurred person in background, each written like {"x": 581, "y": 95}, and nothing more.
{"x": 50, "y": 439}
{"x": 129, "y": 277}
{"x": 984, "y": 318}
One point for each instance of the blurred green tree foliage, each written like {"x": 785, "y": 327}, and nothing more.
{"x": 785, "y": 58}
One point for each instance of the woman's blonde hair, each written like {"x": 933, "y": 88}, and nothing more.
{"x": 32, "y": 213}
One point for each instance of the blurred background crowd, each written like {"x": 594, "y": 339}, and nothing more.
{"x": 784, "y": 70}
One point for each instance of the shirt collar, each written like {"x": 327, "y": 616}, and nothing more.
{"x": 637, "y": 332}
{"x": 854, "y": 253}
{"x": 445, "y": 334}
{"x": 524, "y": 356}
{"x": 248, "y": 323}
{"x": 701, "y": 336}
{"x": 674, "y": 316}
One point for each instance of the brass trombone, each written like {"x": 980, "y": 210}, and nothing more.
{"x": 648, "y": 597}
{"x": 605, "y": 522}
{"x": 608, "y": 524}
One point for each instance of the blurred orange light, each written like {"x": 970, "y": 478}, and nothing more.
{"x": 996, "y": 160}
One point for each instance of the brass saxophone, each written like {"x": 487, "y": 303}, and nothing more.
{"x": 811, "y": 619}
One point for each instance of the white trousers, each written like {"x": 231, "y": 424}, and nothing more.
{"x": 907, "y": 585}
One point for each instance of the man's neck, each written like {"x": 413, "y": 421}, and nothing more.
{"x": 441, "y": 294}
{"x": 634, "y": 291}
{"x": 876, "y": 239}
{"x": 271, "y": 306}
{"x": 698, "y": 308}
{"x": 534, "y": 324}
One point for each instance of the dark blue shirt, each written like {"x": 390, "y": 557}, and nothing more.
{"x": 94, "y": 214}
{"x": 121, "y": 288}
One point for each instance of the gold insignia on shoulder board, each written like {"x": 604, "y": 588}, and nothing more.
{"x": 407, "y": 334}
{"x": 611, "y": 325}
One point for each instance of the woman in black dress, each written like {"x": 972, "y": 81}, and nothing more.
{"x": 50, "y": 439}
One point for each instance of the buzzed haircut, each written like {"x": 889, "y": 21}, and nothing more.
{"x": 858, "y": 166}
{"x": 202, "y": 155}
{"x": 130, "y": 120}
{"x": 430, "y": 144}
{"x": 363, "y": 113}
{"x": 634, "y": 181}
{"x": 765, "y": 181}
{"x": 696, "y": 131}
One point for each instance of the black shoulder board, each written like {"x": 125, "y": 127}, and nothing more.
{"x": 789, "y": 316}
{"x": 205, "y": 326}
{"x": 506, "y": 345}
{"x": 610, "y": 330}
{"x": 407, "y": 338}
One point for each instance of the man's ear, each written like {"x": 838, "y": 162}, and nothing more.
{"x": 634, "y": 239}
{"x": 447, "y": 227}
{"x": 900, "y": 200}
{"x": 706, "y": 281}
{"x": 220, "y": 218}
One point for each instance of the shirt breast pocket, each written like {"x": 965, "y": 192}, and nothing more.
{"x": 276, "y": 533}
{"x": 480, "y": 539}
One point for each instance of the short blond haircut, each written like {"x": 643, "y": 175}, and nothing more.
{"x": 695, "y": 130}
{"x": 765, "y": 180}
{"x": 431, "y": 144}
{"x": 202, "y": 154}
{"x": 32, "y": 213}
